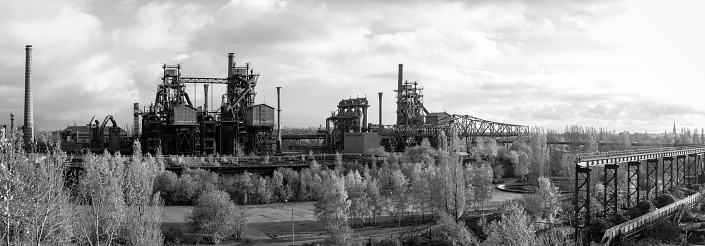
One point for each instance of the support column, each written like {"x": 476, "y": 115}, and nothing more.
{"x": 651, "y": 178}
{"x": 680, "y": 171}
{"x": 609, "y": 207}
{"x": 632, "y": 183}
{"x": 667, "y": 173}
{"x": 691, "y": 169}
{"x": 700, "y": 169}
{"x": 582, "y": 197}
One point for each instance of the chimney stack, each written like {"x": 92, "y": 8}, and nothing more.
{"x": 205, "y": 105}
{"x": 279, "y": 120}
{"x": 380, "y": 110}
{"x": 28, "y": 103}
{"x": 399, "y": 94}
{"x": 230, "y": 65}
{"x": 12, "y": 121}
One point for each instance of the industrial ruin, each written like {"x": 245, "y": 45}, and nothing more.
{"x": 173, "y": 125}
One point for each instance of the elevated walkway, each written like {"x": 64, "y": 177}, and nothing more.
{"x": 649, "y": 220}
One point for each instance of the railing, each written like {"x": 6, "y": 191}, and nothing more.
{"x": 635, "y": 225}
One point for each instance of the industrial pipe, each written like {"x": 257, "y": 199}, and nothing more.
{"x": 399, "y": 92}
{"x": 28, "y": 102}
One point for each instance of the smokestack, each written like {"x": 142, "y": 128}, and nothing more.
{"x": 380, "y": 110}
{"x": 12, "y": 121}
{"x": 205, "y": 105}
{"x": 28, "y": 103}
{"x": 399, "y": 94}
{"x": 230, "y": 65}
{"x": 279, "y": 120}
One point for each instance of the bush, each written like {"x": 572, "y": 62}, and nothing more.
{"x": 165, "y": 183}
{"x": 664, "y": 199}
{"x": 665, "y": 232}
{"x": 641, "y": 208}
{"x": 621, "y": 218}
{"x": 597, "y": 229}
{"x": 216, "y": 215}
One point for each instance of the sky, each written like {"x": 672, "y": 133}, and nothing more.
{"x": 622, "y": 65}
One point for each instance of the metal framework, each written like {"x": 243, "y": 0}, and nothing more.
{"x": 680, "y": 170}
{"x": 667, "y": 173}
{"x": 582, "y": 196}
{"x": 610, "y": 196}
{"x": 610, "y": 160}
{"x": 651, "y": 178}
{"x": 691, "y": 169}
{"x": 633, "y": 183}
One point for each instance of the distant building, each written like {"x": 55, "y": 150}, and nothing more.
{"x": 81, "y": 134}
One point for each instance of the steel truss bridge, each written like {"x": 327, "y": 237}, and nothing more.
{"x": 649, "y": 173}
{"x": 465, "y": 126}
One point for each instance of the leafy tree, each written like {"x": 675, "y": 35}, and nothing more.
{"x": 143, "y": 207}
{"x": 481, "y": 181}
{"x": 514, "y": 228}
{"x": 216, "y": 215}
{"x": 399, "y": 193}
{"x": 539, "y": 151}
{"x": 544, "y": 204}
{"x": 376, "y": 201}
{"x": 34, "y": 203}
{"x": 355, "y": 186}
{"x": 166, "y": 184}
{"x": 455, "y": 232}
{"x": 332, "y": 209}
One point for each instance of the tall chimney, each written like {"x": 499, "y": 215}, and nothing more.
{"x": 399, "y": 94}
{"x": 279, "y": 120}
{"x": 205, "y": 105}
{"x": 380, "y": 110}
{"x": 230, "y": 65}
{"x": 28, "y": 103}
{"x": 12, "y": 121}
{"x": 136, "y": 120}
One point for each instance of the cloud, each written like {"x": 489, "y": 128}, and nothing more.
{"x": 166, "y": 25}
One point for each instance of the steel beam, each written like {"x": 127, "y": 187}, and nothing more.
{"x": 680, "y": 171}
{"x": 667, "y": 173}
{"x": 633, "y": 183}
{"x": 582, "y": 196}
{"x": 691, "y": 169}
{"x": 700, "y": 169}
{"x": 651, "y": 178}
{"x": 609, "y": 205}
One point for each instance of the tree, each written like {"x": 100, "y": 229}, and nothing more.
{"x": 514, "y": 228}
{"x": 143, "y": 207}
{"x": 455, "y": 232}
{"x": 216, "y": 215}
{"x": 355, "y": 186}
{"x": 376, "y": 200}
{"x": 539, "y": 151}
{"x": 399, "y": 193}
{"x": 544, "y": 204}
{"x": 102, "y": 195}
{"x": 332, "y": 209}
{"x": 481, "y": 181}
{"x": 34, "y": 203}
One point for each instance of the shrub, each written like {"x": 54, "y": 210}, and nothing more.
{"x": 216, "y": 215}
{"x": 664, "y": 199}
{"x": 165, "y": 183}
{"x": 641, "y": 208}
{"x": 597, "y": 229}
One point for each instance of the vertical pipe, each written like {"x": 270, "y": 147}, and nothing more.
{"x": 28, "y": 103}
{"x": 279, "y": 120}
{"x": 12, "y": 121}
{"x": 380, "y": 110}
{"x": 205, "y": 102}
{"x": 230, "y": 65}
